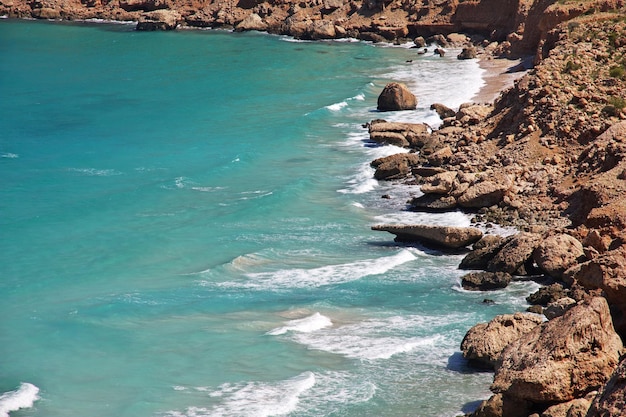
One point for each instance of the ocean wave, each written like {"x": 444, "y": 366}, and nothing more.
{"x": 325, "y": 275}
{"x": 342, "y": 104}
{"x": 255, "y": 399}
{"x": 308, "y": 324}
{"x": 24, "y": 397}
{"x": 9, "y": 155}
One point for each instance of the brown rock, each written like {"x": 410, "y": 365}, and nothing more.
{"x": 468, "y": 52}
{"x": 480, "y": 257}
{"x": 559, "y": 307}
{"x": 322, "y": 29}
{"x": 394, "y": 166}
{"x": 485, "y": 281}
{"x": 432, "y": 202}
{"x": 159, "y": 20}
{"x": 515, "y": 254}
{"x": 485, "y": 192}
{"x": 396, "y": 96}
{"x": 252, "y": 22}
{"x": 611, "y": 400}
{"x": 442, "y": 236}
{"x": 439, "y": 183}
{"x": 556, "y": 253}
{"x": 608, "y": 273}
{"x": 472, "y": 113}
{"x": 443, "y": 111}
{"x": 548, "y": 294}
{"x": 484, "y": 343}
{"x": 574, "y": 408}
{"x": 499, "y": 405}
{"x": 562, "y": 359}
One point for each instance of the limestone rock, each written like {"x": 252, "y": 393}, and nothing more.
{"x": 485, "y": 342}
{"x": 439, "y": 183}
{"x": 469, "y": 52}
{"x": 472, "y": 113}
{"x": 562, "y": 359}
{"x": 515, "y": 254}
{"x": 482, "y": 254}
{"x": 396, "y": 96}
{"x": 394, "y": 166}
{"x": 485, "y": 192}
{"x": 159, "y": 20}
{"x": 574, "y": 408}
{"x": 142, "y": 5}
{"x": 608, "y": 273}
{"x": 443, "y": 111}
{"x": 499, "y": 405}
{"x": 322, "y": 29}
{"x": 559, "y": 307}
{"x": 432, "y": 202}
{"x": 442, "y": 236}
{"x": 611, "y": 400}
{"x": 548, "y": 294}
{"x": 556, "y": 253}
{"x": 485, "y": 281}
{"x": 252, "y": 22}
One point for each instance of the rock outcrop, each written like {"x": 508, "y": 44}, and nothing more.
{"x": 563, "y": 359}
{"x": 484, "y": 343}
{"x": 395, "y": 97}
{"x": 448, "y": 237}
{"x": 611, "y": 401}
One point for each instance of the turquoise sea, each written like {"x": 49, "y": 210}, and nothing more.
{"x": 185, "y": 230}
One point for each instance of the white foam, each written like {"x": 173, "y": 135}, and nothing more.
{"x": 93, "y": 172}
{"x": 368, "y": 340}
{"x": 453, "y": 218}
{"x": 9, "y": 155}
{"x": 24, "y": 397}
{"x": 325, "y": 275}
{"x": 342, "y": 104}
{"x": 308, "y": 324}
{"x": 255, "y": 399}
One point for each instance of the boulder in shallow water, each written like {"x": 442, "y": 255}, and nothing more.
{"x": 561, "y": 359}
{"x": 483, "y": 344}
{"x": 396, "y": 96}
{"x": 485, "y": 281}
{"x": 449, "y": 237}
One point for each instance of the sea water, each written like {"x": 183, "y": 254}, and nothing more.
{"x": 185, "y": 230}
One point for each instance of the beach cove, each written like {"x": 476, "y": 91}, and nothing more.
{"x": 155, "y": 269}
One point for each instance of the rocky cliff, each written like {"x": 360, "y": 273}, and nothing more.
{"x": 519, "y": 25}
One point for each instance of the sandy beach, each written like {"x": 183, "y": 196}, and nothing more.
{"x": 500, "y": 74}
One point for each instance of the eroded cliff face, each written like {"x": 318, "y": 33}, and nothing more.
{"x": 521, "y": 25}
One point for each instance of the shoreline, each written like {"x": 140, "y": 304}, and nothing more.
{"x": 499, "y": 75}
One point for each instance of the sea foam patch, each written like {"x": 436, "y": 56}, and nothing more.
{"x": 308, "y": 324}
{"x": 325, "y": 275}
{"x": 24, "y": 397}
{"x": 255, "y": 399}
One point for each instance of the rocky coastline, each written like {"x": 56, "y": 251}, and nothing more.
{"x": 547, "y": 158}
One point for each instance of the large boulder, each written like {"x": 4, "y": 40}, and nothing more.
{"x": 252, "y": 22}
{"x": 562, "y": 359}
{"x": 485, "y": 191}
{"x": 485, "y": 281}
{"x": 611, "y": 400}
{"x": 396, "y": 96}
{"x": 574, "y": 408}
{"x": 608, "y": 273}
{"x": 556, "y": 253}
{"x": 499, "y": 405}
{"x": 159, "y": 20}
{"x": 322, "y": 29}
{"x": 514, "y": 256}
{"x": 483, "y": 344}
{"x": 394, "y": 166}
{"x": 439, "y": 183}
{"x": 394, "y": 133}
{"x": 449, "y": 237}
{"x": 483, "y": 252}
